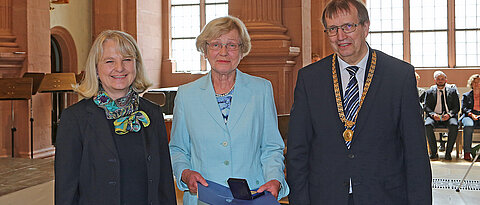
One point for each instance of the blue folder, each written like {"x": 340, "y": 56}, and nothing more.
{"x": 218, "y": 194}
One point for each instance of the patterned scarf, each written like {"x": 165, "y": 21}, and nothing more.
{"x": 124, "y": 110}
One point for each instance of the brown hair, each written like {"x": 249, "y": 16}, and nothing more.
{"x": 335, "y": 6}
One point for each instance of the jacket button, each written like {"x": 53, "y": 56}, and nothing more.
{"x": 225, "y": 143}
{"x": 112, "y": 160}
{"x": 351, "y": 156}
{"x": 112, "y": 183}
{"x": 149, "y": 158}
{"x": 226, "y": 162}
{"x": 150, "y": 180}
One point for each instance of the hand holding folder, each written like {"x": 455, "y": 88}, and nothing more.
{"x": 221, "y": 195}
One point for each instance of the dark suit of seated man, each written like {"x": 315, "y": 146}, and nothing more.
{"x": 441, "y": 112}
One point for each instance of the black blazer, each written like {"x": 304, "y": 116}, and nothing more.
{"x": 453, "y": 102}
{"x": 387, "y": 160}
{"x": 86, "y": 160}
{"x": 468, "y": 103}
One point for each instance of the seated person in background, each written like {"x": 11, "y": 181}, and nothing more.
{"x": 470, "y": 113}
{"x": 441, "y": 108}
{"x": 421, "y": 91}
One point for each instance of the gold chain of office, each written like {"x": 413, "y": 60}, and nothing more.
{"x": 348, "y": 133}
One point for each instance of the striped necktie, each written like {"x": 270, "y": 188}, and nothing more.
{"x": 351, "y": 98}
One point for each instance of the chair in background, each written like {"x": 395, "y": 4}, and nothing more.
{"x": 158, "y": 98}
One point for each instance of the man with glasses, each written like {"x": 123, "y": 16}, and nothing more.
{"x": 356, "y": 134}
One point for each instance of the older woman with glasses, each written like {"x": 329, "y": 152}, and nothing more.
{"x": 225, "y": 123}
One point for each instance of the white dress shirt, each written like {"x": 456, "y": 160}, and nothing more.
{"x": 360, "y": 73}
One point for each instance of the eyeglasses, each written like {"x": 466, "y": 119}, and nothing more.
{"x": 346, "y": 28}
{"x": 215, "y": 46}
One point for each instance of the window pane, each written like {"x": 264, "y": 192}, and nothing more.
{"x": 429, "y": 49}
{"x": 390, "y": 43}
{"x": 467, "y": 14}
{"x": 384, "y": 13}
{"x": 186, "y": 55}
{"x": 185, "y": 27}
{"x": 215, "y": 10}
{"x": 175, "y": 2}
{"x": 216, "y": 1}
{"x": 467, "y": 48}
{"x": 428, "y": 14}
{"x": 185, "y": 21}
{"x": 386, "y": 16}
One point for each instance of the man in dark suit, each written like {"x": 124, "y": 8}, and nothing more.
{"x": 441, "y": 108}
{"x": 345, "y": 147}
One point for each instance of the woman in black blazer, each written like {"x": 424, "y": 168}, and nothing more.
{"x": 470, "y": 113}
{"x": 112, "y": 146}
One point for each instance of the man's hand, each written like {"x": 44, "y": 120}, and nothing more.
{"x": 445, "y": 117}
{"x": 436, "y": 117}
{"x": 273, "y": 186}
{"x": 191, "y": 178}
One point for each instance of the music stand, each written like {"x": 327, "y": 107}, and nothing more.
{"x": 57, "y": 83}
{"x": 37, "y": 79}
{"x": 15, "y": 89}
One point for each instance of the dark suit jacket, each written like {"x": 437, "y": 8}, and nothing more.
{"x": 387, "y": 161}
{"x": 86, "y": 160}
{"x": 468, "y": 103}
{"x": 453, "y": 102}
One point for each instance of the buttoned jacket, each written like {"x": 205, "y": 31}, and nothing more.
{"x": 248, "y": 146}
{"x": 87, "y": 166}
{"x": 387, "y": 162}
{"x": 451, "y": 97}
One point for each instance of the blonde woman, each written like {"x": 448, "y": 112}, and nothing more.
{"x": 112, "y": 146}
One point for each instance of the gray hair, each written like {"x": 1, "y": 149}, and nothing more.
{"x": 220, "y": 26}
{"x": 438, "y": 73}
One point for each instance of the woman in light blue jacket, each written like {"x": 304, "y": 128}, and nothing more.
{"x": 225, "y": 123}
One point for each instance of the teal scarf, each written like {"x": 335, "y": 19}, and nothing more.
{"x": 124, "y": 110}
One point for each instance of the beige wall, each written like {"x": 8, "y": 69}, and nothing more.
{"x": 76, "y": 17}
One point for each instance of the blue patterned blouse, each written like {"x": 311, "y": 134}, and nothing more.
{"x": 224, "y": 102}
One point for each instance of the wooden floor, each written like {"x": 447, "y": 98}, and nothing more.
{"x": 30, "y": 182}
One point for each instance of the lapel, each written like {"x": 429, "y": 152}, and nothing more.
{"x": 368, "y": 102}
{"x": 207, "y": 97}
{"x": 241, "y": 97}
{"x": 100, "y": 126}
{"x": 434, "y": 95}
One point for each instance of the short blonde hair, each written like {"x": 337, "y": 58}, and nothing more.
{"x": 127, "y": 46}
{"x": 471, "y": 79}
{"x": 220, "y": 26}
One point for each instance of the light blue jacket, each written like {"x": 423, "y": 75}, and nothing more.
{"x": 249, "y": 146}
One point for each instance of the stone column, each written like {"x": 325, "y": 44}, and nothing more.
{"x": 272, "y": 55}
{"x": 11, "y": 59}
